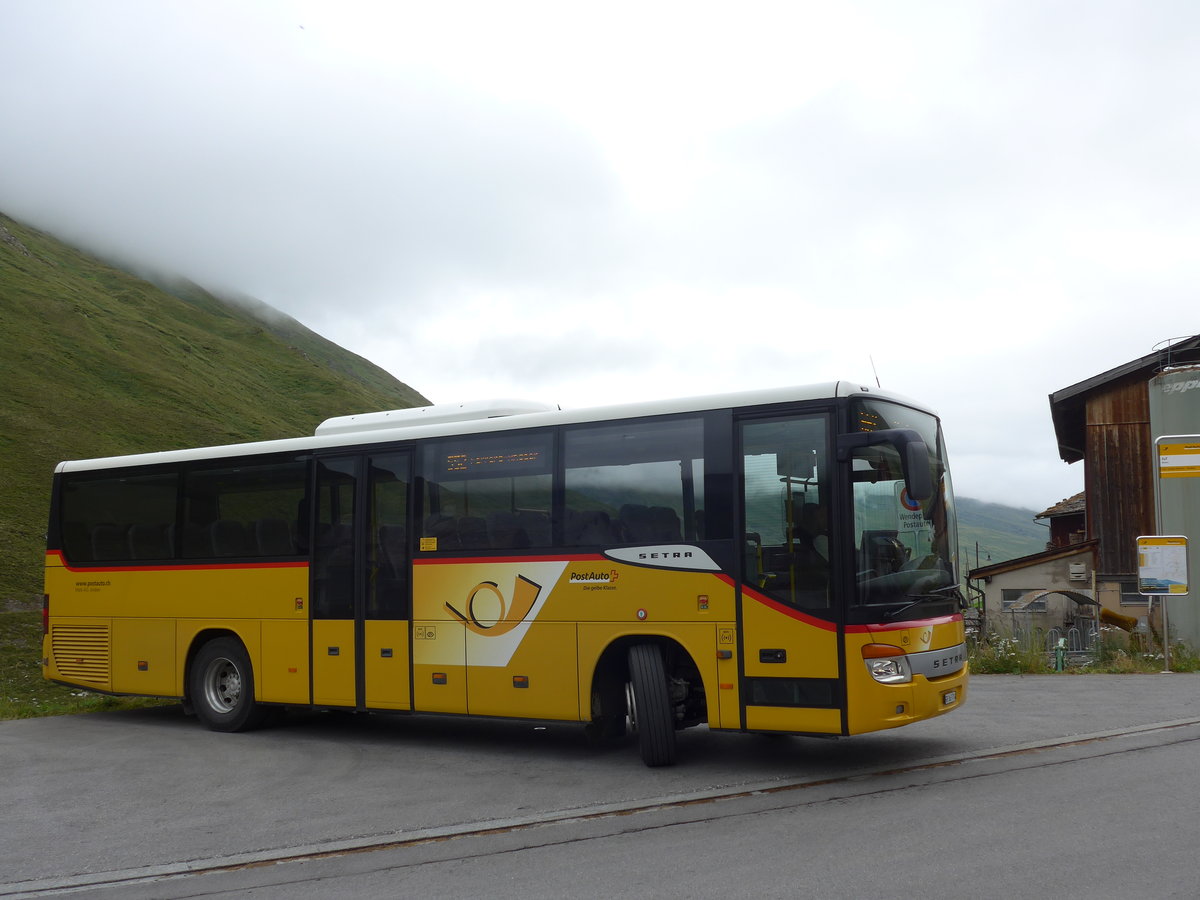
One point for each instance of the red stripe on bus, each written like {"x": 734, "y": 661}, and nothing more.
{"x": 464, "y": 560}
{"x": 788, "y": 611}
{"x": 178, "y": 568}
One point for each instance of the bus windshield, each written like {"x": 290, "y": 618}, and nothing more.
{"x": 906, "y": 548}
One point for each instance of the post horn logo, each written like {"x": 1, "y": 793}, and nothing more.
{"x": 495, "y": 615}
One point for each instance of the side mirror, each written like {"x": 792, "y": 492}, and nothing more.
{"x": 914, "y": 455}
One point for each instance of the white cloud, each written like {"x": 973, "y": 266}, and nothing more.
{"x": 987, "y": 201}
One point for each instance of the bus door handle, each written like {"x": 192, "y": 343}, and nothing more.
{"x": 772, "y": 656}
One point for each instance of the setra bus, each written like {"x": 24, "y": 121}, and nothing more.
{"x": 769, "y": 561}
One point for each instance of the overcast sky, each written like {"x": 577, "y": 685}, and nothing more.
{"x": 978, "y": 203}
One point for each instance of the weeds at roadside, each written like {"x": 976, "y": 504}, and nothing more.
{"x": 997, "y": 655}
{"x": 1114, "y": 655}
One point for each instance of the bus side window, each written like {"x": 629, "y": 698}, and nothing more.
{"x": 488, "y": 492}
{"x": 273, "y": 537}
{"x": 245, "y": 511}
{"x": 151, "y": 542}
{"x": 637, "y": 482}
{"x": 107, "y": 518}
{"x": 110, "y": 542}
{"x": 228, "y": 538}
{"x": 504, "y": 533}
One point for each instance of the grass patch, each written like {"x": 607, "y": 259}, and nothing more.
{"x": 24, "y": 694}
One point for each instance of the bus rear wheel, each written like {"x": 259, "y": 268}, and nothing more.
{"x": 221, "y": 687}
{"x": 650, "y": 713}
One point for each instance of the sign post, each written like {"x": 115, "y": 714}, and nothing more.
{"x": 1163, "y": 572}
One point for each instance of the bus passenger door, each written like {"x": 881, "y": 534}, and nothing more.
{"x": 360, "y": 590}
{"x": 790, "y": 641}
{"x": 386, "y": 615}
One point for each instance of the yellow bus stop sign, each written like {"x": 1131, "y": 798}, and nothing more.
{"x": 1178, "y": 459}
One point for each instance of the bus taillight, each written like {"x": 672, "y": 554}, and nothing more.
{"x": 45, "y": 614}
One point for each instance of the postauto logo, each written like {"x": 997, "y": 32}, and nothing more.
{"x": 595, "y": 577}
{"x": 489, "y": 612}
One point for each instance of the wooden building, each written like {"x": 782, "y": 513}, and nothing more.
{"x": 1103, "y": 422}
{"x": 1067, "y": 520}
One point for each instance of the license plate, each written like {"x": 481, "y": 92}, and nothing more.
{"x": 949, "y": 697}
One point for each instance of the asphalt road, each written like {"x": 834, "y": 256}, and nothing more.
{"x": 1080, "y": 785}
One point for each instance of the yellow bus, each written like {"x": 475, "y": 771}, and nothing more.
{"x": 767, "y": 561}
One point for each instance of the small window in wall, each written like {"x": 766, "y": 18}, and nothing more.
{"x": 1130, "y": 595}
{"x": 487, "y": 492}
{"x": 634, "y": 482}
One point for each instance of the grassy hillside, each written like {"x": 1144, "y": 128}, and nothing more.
{"x": 999, "y": 532}
{"x": 97, "y": 362}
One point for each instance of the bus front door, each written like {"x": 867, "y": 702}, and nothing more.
{"x": 790, "y": 660}
{"x": 360, "y": 589}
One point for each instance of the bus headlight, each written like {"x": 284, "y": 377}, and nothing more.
{"x": 887, "y": 664}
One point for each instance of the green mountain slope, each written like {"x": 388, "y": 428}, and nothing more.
{"x": 990, "y": 533}
{"x": 98, "y": 362}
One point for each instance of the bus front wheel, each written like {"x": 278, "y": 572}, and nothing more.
{"x": 221, "y": 687}
{"x": 650, "y": 713}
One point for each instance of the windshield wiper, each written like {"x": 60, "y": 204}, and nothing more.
{"x": 943, "y": 594}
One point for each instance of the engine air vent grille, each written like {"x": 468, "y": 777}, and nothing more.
{"x": 82, "y": 652}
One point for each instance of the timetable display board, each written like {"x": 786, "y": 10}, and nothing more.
{"x": 1162, "y": 565}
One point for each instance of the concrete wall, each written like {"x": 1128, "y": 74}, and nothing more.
{"x": 1054, "y": 574}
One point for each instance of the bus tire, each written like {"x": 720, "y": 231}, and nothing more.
{"x": 650, "y": 705}
{"x": 221, "y": 687}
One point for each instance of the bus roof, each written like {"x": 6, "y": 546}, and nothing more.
{"x": 480, "y": 417}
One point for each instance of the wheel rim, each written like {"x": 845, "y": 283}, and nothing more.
{"x": 630, "y": 709}
{"x": 222, "y": 685}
